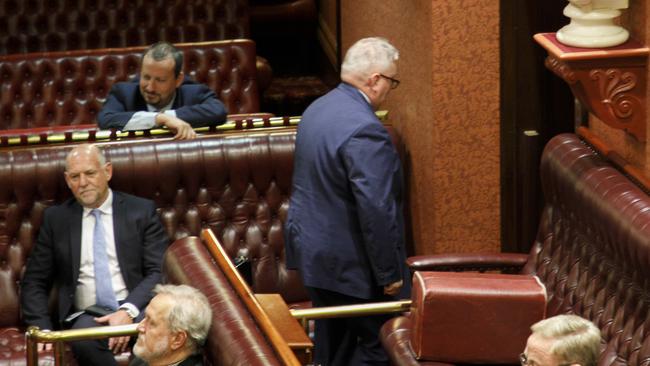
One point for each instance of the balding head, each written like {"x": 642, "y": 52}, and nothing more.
{"x": 87, "y": 174}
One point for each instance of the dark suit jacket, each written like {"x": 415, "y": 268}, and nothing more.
{"x": 140, "y": 243}
{"x": 195, "y": 104}
{"x": 345, "y": 227}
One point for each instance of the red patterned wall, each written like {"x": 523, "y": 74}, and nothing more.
{"x": 447, "y": 109}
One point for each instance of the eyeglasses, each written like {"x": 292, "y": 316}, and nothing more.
{"x": 523, "y": 360}
{"x": 394, "y": 83}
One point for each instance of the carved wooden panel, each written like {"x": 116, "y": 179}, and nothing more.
{"x": 610, "y": 82}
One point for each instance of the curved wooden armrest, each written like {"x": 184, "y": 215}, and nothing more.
{"x": 481, "y": 262}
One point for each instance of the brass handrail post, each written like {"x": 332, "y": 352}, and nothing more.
{"x": 32, "y": 352}
{"x": 34, "y": 336}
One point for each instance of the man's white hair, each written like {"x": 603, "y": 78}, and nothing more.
{"x": 575, "y": 339}
{"x": 191, "y": 312}
{"x": 368, "y": 55}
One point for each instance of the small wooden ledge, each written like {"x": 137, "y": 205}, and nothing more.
{"x": 609, "y": 82}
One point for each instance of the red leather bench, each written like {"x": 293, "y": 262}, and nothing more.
{"x": 61, "y": 25}
{"x": 592, "y": 253}
{"x": 69, "y": 88}
{"x": 234, "y": 338}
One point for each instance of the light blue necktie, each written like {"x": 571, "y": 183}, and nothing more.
{"x": 103, "y": 286}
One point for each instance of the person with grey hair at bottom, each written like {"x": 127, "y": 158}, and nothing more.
{"x": 161, "y": 96}
{"x": 174, "y": 328}
{"x": 345, "y": 229}
{"x": 562, "y": 340}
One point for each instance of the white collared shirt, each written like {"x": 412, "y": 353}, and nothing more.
{"x": 364, "y": 96}
{"x": 147, "y": 120}
{"x": 85, "y": 292}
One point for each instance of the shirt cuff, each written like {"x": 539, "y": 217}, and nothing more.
{"x": 141, "y": 121}
{"x": 131, "y": 309}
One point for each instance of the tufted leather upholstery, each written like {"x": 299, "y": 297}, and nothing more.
{"x": 237, "y": 184}
{"x": 592, "y": 252}
{"x": 69, "y": 88}
{"x": 61, "y": 25}
{"x": 234, "y": 338}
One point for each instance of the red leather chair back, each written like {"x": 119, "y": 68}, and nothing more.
{"x": 60, "y": 25}
{"x": 69, "y": 88}
{"x": 234, "y": 338}
{"x": 593, "y": 248}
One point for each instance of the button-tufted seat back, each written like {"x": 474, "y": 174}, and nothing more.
{"x": 234, "y": 338}
{"x": 60, "y": 25}
{"x": 237, "y": 184}
{"x": 593, "y": 248}
{"x": 69, "y": 88}
{"x": 592, "y": 252}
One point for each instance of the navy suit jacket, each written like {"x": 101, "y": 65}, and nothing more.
{"x": 345, "y": 227}
{"x": 140, "y": 243}
{"x": 195, "y": 104}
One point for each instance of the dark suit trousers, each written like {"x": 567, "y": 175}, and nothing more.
{"x": 95, "y": 352}
{"x": 346, "y": 341}
{"x": 92, "y": 352}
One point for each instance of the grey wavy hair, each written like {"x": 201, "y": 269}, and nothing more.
{"x": 577, "y": 340}
{"x": 368, "y": 55}
{"x": 191, "y": 312}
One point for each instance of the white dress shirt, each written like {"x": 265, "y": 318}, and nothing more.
{"x": 85, "y": 291}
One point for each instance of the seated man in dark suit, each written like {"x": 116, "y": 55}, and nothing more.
{"x": 102, "y": 250}
{"x": 161, "y": 96}
{"x": 174, "y": 328}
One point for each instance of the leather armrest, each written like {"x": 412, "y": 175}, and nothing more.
{"x": 395, "y": 336}
{"x": 504, "y": 262}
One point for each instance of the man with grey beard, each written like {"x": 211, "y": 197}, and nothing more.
{"x": 174, "y": 328}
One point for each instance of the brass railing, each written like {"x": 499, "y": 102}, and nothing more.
{"x": 376, "y": 308}
{"x": 105, "y": 135}
{"x": 59, "y": 338}
{"x": 342, "y": 311}
{"x": 93, "y": 135}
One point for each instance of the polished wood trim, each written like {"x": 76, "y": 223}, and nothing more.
{"x": 248, "y": 298}
{"x": 629, "y": 49}
{"x": 615, "y": 158}
{"x": 292, "y": 331}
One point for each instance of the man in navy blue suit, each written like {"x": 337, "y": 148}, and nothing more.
{"x": 124, "y": 230}
{"x": 161, "y": 96}
{"x": 345, "y": 228}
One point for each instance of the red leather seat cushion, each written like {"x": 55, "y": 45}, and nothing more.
{"x": 473, "y": 317}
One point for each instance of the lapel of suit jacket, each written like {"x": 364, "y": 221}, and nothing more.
{"x": 76, "y": 215}
{"x": 119, "y": 226}
{"x": 178, "y": 98}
